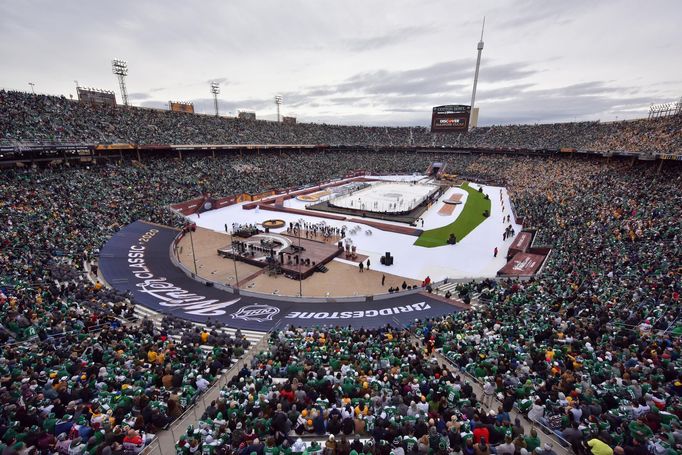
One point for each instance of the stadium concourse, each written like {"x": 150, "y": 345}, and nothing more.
{"x": 589, "y": 350}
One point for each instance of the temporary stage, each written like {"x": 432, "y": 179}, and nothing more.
{"x": 294, "y": 256}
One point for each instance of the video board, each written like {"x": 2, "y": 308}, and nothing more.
{"x": 452, "y": 118}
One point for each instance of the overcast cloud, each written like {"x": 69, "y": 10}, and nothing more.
{"x": 359, "y": 61}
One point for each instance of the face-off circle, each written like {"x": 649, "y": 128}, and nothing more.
{"x": 273, "y": 224}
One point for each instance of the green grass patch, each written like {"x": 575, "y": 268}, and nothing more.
{"x": 470, "y": 217}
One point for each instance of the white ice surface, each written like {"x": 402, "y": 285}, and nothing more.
{"x": 385, "y": 197}
{"x": 472, "y": 257}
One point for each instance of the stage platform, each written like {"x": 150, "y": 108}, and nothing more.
{"x": 522, "y": 264}
{"x": 314, "y": 254}
{"x": 156, "y": 283}
{"x": 454, "y": 199}
{"x": 298, "y": 257}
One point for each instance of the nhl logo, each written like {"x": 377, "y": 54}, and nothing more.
{"x": 256, "y": 312}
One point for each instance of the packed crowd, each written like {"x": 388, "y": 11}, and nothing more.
{"x": 54, "y": 222}
{"x": 69, "y": 357}
{"x": 593, "y": 345}
{"x": 590, "y": 350}
{"x": 27, "y": 118}
{"x": 362, "y": 391}
{"x": 92, "y": 391}
{"x": 610, "y": 288}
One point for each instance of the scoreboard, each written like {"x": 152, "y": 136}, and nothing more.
{"x": 181, "y": 106}
{"x": 452, "y": 118}
{"x": 246, "y": 115}
{"x": 96, "y": 96}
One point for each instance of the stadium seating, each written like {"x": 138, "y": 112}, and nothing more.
{"x": 27, "y": 118}
{"x": 595, "y": 340}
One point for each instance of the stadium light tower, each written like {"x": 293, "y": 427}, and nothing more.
{"x": 33, "y": 89}
{"x": 278, "y": 102}
{"x": 215, "y": 89}
{"x": 478, "y": 64}
{"x": 120, "y": 68}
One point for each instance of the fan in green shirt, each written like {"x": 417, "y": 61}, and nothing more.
{"x": 313, "y": 449}
{"x": 639, "y": 430}
{"x": 270, "y": 447}
{"x": 410, "y": 443}
{"x": 532, "y": 441}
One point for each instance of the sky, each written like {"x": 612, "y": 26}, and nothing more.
{"x": 368, "y": 62}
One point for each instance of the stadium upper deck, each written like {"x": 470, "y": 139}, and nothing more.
{"x": 35, "y": 119}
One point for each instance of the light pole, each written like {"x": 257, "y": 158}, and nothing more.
{"x": 278, "y": 102}
{"x": 191, "y": 241}
{"x": 300, "y": 280}
{"x": 120, "y": 68}
{"x": 215, "y": 89}
{"x": 234, "y": 260}
{"x": 77, "y": 92}
{"x": 32, "y": 87}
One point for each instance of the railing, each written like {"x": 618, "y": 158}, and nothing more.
{"x": 164, "y": 441}
{"x": 491, "y": 400}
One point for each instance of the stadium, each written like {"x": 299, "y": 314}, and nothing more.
{"x": 178, "y": 282}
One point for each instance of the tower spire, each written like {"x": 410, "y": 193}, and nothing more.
{"x": 478, "y": 64}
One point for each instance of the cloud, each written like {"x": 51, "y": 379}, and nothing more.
{"x": 522, "y": 102}
{"x": 434, "y": 78}
{"x": 155, "y": 104}
{"x": 507, "y": 94}
{"x": 590, "y": 88}
{"x": 220, "y": 80}
{"x": 589, "y": 100}
{"x": 391, "y": 38}
{"x": 382, "y": 62}
{"x": 508, "y": 91}
{"x": 138, "y": 96}
{"x": 442, "y": 77}
{"x": 527, "y": 13}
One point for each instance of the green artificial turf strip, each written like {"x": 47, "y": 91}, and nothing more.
{"x": 467, "y": 221}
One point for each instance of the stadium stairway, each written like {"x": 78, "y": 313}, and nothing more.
{"x": 558, "y": 445}
{"x": 443, "y": 288}
{"x": 164, "y": 441}
{"x": 476, "y": 297}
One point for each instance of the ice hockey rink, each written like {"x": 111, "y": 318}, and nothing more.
{"x": 471, "y": 257}
{"x": 385, "y": 197}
